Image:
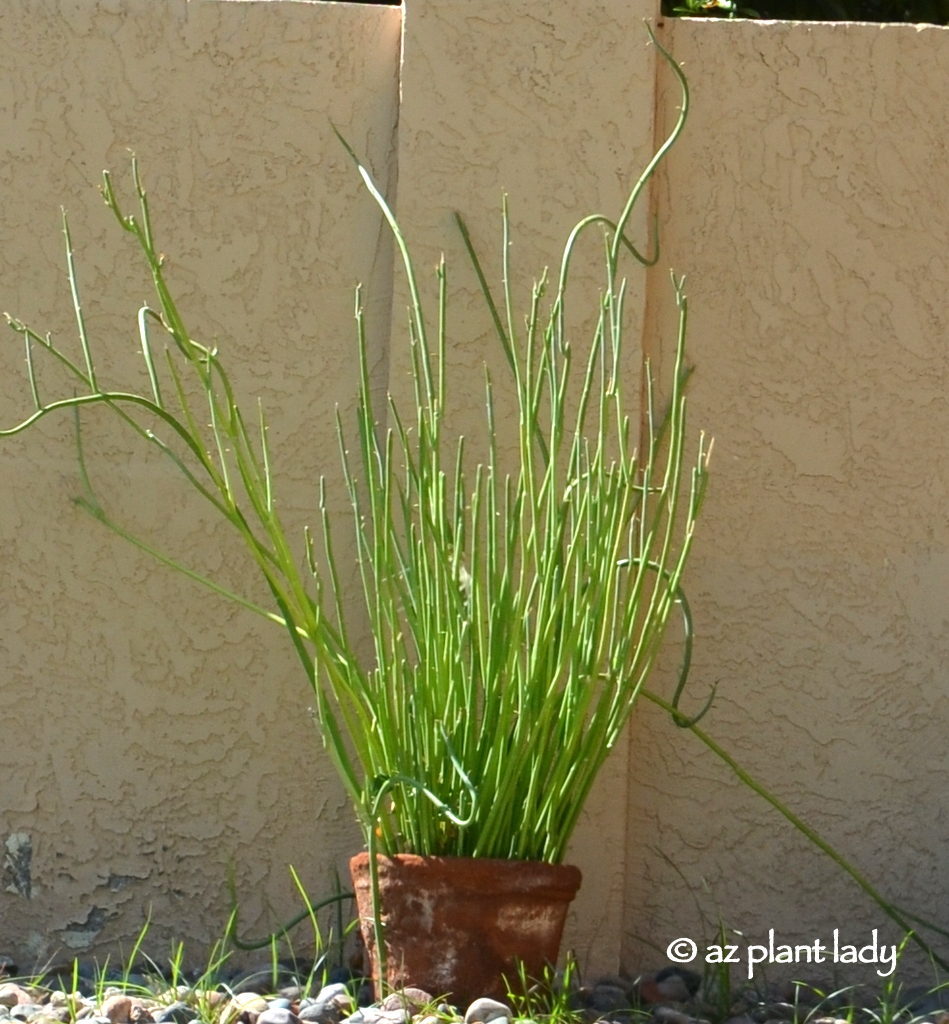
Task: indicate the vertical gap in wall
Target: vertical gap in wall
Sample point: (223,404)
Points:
(659,325)
(385,245)
(403,12)
(651,349)
(392,198)
(657,276)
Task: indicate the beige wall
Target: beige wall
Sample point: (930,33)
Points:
(807,203)
(554,107)
(152,733)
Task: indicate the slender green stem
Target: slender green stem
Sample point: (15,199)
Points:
(900,917)
(515,610)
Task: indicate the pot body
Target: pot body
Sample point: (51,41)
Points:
(456,925)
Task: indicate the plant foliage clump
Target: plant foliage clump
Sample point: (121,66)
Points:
(515,614)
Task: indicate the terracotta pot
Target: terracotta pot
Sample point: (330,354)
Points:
(457,924)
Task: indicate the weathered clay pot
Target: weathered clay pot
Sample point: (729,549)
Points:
(455,925)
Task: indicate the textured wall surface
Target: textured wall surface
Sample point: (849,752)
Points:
(807,204)
(554,106)
(152,733)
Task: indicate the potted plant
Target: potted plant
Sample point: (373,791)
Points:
(515,612)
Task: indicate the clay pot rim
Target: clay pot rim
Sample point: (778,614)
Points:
(479,874)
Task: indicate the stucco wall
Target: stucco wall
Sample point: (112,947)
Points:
(807,204)
(553,106)
(151,734)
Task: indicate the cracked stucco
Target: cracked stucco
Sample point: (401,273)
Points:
(16,864)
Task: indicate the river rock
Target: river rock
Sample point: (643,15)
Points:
(328,992)
(177,1013)
(606,998)
(278,1015)
(117,1008)
(330,1005)
(374,1015)
(243,1002)
(23,1011)
(411,999)
(320,1013)
(669,985)
(13,995)
(207,997)
(670,1015)
(484,1010)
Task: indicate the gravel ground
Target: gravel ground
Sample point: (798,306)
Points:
(670,995)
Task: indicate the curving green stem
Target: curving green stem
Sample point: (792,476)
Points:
(900,917)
